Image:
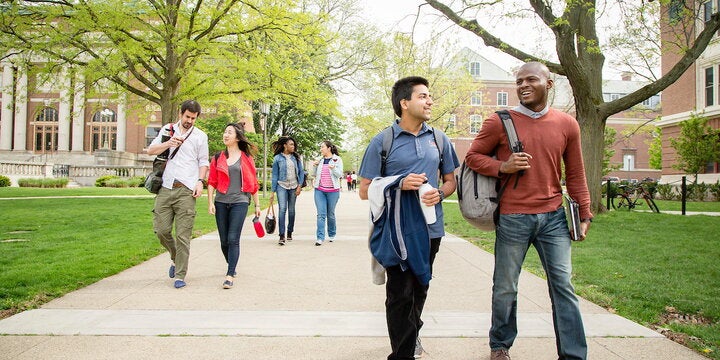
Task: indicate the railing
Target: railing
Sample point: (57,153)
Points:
(82,174)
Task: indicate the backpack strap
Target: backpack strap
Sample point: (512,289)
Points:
(513,142)
(439,142)
(507,121)
(388,137)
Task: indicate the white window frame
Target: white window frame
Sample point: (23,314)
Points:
(475,123)
(475,68)
(502,98)
(452,122)
(476,98)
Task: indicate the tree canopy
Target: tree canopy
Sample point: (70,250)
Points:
(581,55)
(697,145)
(220,51)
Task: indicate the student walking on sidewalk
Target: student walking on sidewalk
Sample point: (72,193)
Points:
(183,181)
(287,177)
(414,155)
(531,211)
(233,175)
(328,171)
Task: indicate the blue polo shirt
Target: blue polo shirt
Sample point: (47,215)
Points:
(412,154)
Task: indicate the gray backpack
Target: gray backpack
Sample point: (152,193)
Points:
(479,195)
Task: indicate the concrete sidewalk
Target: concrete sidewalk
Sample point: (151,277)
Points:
(302,301)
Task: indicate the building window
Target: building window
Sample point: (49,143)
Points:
(476,98)
(646,102)
(502,98)
(628,162)
(707,10)
(709,86)
(475,68)
(46,130)
(475,123)
(675,11)
(614,97)
(104,130)
(151,132)
(452,121)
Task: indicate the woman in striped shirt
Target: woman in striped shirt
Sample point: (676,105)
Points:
(328,172)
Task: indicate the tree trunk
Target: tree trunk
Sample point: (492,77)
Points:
(593,148)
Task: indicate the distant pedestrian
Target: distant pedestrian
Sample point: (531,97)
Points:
(233,175)
(287,177)
(353,176)
(348,178)
(328,170)
(183,181)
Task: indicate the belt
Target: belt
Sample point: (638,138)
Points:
(177,184)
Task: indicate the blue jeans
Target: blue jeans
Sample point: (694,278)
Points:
(549,234)
(286,204)
(230,219)
(325,204)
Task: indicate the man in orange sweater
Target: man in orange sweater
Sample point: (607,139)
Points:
(531,210)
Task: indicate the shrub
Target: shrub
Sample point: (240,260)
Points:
(697,192)
(4,181)
(101,181)
(715,190)
(667,192)
(43,183)
(137,181)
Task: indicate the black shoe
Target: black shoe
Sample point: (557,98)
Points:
(289,236)
(282,240)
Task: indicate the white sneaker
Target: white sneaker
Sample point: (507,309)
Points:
(332,238)
(318,242)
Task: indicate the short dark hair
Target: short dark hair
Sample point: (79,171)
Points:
(190,105)
(403,89)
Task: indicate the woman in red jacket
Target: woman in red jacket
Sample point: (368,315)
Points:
(233,175)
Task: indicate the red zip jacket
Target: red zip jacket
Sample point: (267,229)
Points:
(219,177)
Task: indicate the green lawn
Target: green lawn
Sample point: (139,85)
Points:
(53,246)
(644,266)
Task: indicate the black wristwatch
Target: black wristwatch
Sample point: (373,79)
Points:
(442,195)
(203,182)
(586,220)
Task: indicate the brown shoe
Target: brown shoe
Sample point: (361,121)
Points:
(289,236)
(499,354)
(282,240)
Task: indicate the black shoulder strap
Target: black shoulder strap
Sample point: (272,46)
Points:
(509,125)
(513,142)
(388,137)
(439,142)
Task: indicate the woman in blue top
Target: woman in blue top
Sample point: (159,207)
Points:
(328,172)
(287,177)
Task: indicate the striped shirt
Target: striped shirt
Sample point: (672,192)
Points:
(326,183)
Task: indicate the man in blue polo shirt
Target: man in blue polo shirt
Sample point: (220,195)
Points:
(413,154)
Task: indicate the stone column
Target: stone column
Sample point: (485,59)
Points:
(78,115)
(121,124)
(64,111)
(21,101)
(6,114)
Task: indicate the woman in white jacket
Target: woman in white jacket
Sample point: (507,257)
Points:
(328,172)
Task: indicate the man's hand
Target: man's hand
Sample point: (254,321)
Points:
(198,189)
(413,181)
(516,162)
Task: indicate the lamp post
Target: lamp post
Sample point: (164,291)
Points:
(264,111)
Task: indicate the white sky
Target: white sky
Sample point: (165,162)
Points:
(400,15)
